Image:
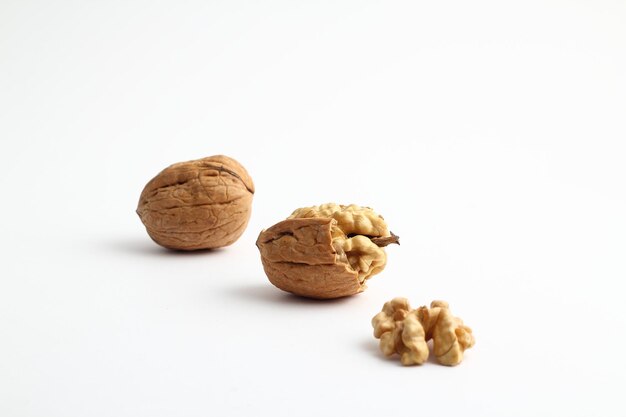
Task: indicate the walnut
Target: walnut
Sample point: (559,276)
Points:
(406,332)
(201,204)
(327,251)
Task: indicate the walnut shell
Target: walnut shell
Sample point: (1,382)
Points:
(327,251)
(200,204)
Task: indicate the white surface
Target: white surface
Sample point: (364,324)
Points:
(490,136)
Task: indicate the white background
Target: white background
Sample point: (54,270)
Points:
(491,136)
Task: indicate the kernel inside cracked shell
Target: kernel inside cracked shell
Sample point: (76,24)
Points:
(352,235)
(326,251)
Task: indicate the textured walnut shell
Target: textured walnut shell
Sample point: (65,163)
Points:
(306,265)
(201,204)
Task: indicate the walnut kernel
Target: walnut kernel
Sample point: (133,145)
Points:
(406,332)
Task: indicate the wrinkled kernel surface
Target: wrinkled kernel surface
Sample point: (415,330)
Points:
(406,332)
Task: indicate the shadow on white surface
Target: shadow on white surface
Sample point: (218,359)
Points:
(145,247)
(370,346)
(268,294)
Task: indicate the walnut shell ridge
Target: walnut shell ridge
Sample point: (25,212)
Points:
(200,204)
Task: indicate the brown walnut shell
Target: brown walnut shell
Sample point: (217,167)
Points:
(200,204)
(325,252)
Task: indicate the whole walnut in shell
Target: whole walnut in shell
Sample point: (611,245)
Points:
(327,251)
(200,204)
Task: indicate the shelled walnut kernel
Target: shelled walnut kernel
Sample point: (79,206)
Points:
(406,332)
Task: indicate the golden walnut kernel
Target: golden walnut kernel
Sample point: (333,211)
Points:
(406,332)
(327,251)
(201,204)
